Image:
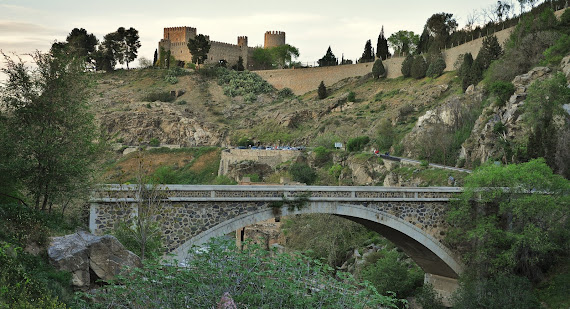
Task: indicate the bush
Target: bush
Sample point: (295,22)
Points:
(322,155)
(236,83)
(428,298)
(436,67)
(407,66)
(502,90)
(419,67)
(554,54)
(357,144)
(279,281)
(245,142)
(285,93)
(162,96)
(302,173)
(378,69)
(154,142)
(351,96)
(322,91)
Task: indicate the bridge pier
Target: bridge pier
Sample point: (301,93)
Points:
(444,286)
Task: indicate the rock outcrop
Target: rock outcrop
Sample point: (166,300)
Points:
(90,258)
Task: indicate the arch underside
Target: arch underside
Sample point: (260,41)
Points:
(424,249)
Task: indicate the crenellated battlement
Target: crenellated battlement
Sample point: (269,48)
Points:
(274,38)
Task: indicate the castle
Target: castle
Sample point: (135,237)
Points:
(176,39)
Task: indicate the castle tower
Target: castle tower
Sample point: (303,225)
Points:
(242,41)
(274,38)
(179,34)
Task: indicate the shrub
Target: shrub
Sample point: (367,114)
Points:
(285,93)
(302,173)
(171,79)
(428,298)
(554,54)
(436,67)
(502,90)
(351,96)
(245,142)
(162,96)
(322,91)
(322,155)
(407,66)
(378,69)
(154,142)
(419,67)
(357,143)
(236,83)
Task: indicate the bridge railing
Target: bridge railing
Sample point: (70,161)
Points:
(210,193)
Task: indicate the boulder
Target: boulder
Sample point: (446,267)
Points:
(565,66)
(89,257)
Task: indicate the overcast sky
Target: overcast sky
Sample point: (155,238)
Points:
(311,26)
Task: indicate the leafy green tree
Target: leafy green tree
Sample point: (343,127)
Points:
(283,54)
(465,70)
(131,44)
(357,143)
(382,51)
(109,52)
(419,67)
(378,69)
(385,135)
(439,26)
(407,66)
(50,128)
(490,50)
(328,59)
(302,173)
(79,43)
(404,42)
(199,48)
(424,42)
(511,220)
(367,55)
(262,57)
(322,91)
(391,273)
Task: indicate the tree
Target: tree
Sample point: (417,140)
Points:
(262,57)
(282,54)
(511,220)
(51,130)
(436,66)
(382,51)
(328,59)
(239,65)
(80,43)
(465,69)
(155,59)
(367,55)
(419,67)
(109,52)
(131,44)
(404,42)
(407,66)
(302,173)
(322,90)
(199,48)
(490,50)
(378,69)
(439,26)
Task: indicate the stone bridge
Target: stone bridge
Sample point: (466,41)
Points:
(412,218)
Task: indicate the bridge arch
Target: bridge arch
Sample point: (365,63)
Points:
(429,253)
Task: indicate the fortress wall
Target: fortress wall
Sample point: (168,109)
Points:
(229,52)
(308,79)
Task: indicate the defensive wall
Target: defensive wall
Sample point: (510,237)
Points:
(412,218)
(269,157)
(304,80)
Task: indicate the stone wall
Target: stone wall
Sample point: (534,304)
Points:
(269,157)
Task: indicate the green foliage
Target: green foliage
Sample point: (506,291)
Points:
(244,83)
(274,57)
(129,234)
(253,177)
(503,291)
(429,298)
(490,51)
(199,47)
(245,142)
(367,54)
(502,90)
(326,140)
(407,66)
(154,142)
(252,277)
(543,104)
(385,135)
(357,143)
(554,54)
(514,226)
(173,73)
(204,173)
(335,170)
(162,96)
(404,42)
(378,69)
(285,93)
(554,292)
(48,141)
(391,274)
(351,96)
(224,180)
(385,95)
(323,155)
(436,67)
(419,67)
(322,91)
(328,59)
(302,173)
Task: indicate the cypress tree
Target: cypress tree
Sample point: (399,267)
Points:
(367,55)
(407,66)
(382,46)
(322,91)
(155,60)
